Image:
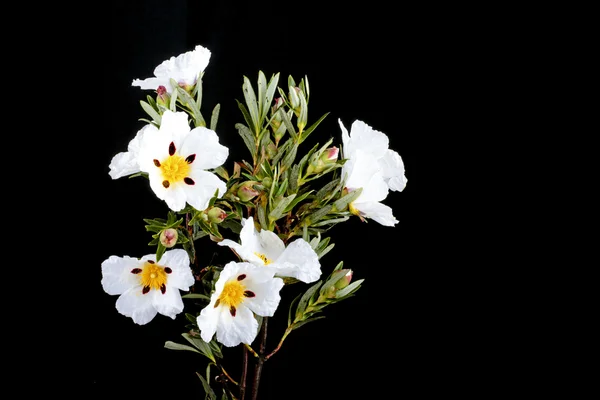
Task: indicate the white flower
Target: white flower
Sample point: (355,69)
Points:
(372,166)
(176,157)
(184,69)
(364,138)
(126,163)
(147,287)
(242,289)
(297,260)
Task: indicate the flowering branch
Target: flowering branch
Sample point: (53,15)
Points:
(272,213)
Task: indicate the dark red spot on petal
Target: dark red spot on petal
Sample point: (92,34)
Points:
(156,162)
(150,262)
(189,181)
(172,149)
(166,184)
(146,289)
(136,270)
(163,288)
(249,293)
(190,159)
(168,270)
(232,310)
(241,277)
(217,303)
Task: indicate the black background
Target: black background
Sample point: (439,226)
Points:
(370,63)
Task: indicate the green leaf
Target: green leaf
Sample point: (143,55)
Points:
(302,323)
(309,130)
(222,172)
(176,346)
(173,101)
(201,345)
(339,266)
(327,189)
(294,178)
(262,96)
(195,296)
(335,276)
(351,288)
(248,138)
(303,117)
(160,250)
(215,117)
(207,388)
(286,117)
(262,217)
(297,200)
(291,308)
(250,97)
(320,213)
(325,251)
(331,221)
(245,113)
(270,92)
(278,211)
(282,188)
(198,90)
(281,151)
(216,349)
(305,299)
(151,112)
(343,202)
(187,100)
(289,157)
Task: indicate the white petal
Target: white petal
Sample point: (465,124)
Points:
(116,274)
(392,170)
(123,164)
(345,140)
(207,321)
(272,245)
(242,328)
(175,195)
(266,298)
(367,139)
(136,305)
(181,276)
(377,211)
(152,83)
(175,124)
(154,146)
(249,235)
(169,304)
(374,190)
(205,185)
(204,143)
(360,168)
(299,261)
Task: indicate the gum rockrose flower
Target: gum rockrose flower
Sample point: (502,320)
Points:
(372,166)
(265,249)
(126,162)
(242,290)
(176,158)
(184,69)
(147,287)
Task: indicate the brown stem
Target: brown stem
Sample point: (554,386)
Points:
(261,358)
(244,371)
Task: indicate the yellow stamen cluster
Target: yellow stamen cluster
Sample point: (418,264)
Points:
(264,258)
(174,168)
(232,294)
(153,276)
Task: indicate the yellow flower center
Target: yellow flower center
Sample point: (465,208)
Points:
(174,168)
(232,294)
(263,258)
(153,276)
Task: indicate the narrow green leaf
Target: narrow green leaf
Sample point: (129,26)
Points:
(339,266)
(305,299)
(302,323)
(335,276)
(325,250)
(278,211)
(303,117)
(291,81)
(216,348)
(160,250)
(195,296)
(215,117)
(222,172)
(287,120)
(151,112)
(176,346)
(293,185)
(198,90)
(310,129)
(209,392)
(297,200)
(262,217)
(245,113)
(271,92)
(262,96)
(173,101)
(327,189)
(248,138)
(250,97)
(188,101)
(349,289)
(343,202)
(281,151)
(331,221)
(282,188)
(201,345)
(289,157)
(320,213)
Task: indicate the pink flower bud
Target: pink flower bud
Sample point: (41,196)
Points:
(168,237)
(345,280)
(216,215)
(246,192)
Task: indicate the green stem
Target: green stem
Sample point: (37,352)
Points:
(286,333)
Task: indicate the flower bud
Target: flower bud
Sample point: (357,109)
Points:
(294,99)
(162,97)
(345,280)
(168,237)
(246,192)
(320,162)
(216,215)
